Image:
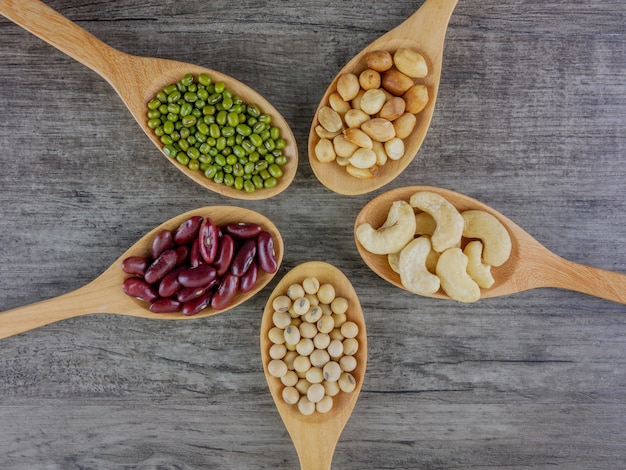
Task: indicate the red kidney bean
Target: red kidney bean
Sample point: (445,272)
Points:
(243,230)
(198,276)
(200,264)
(243,258)
(161,266)
(196,305)
(169,285)
(195,259)
(140,289)
(225,252)
(186,294)
(135,265)
(225,292)
(165,305)
(182,252)
(248,280)
(162,241)
(208,236)
(188,230)
(266,255)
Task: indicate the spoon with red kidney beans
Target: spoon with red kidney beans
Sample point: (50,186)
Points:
(174,272)
(228,262)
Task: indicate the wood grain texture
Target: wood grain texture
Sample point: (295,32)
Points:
(530,119)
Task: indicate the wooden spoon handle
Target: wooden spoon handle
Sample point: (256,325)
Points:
(49,25)
(601,283)
(421,22)
(102,295)
(315,451)
(42,313)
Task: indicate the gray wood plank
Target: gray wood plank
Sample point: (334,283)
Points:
(530,119)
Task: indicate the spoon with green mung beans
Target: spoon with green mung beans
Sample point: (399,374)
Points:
(138,80)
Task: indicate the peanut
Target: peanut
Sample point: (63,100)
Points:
(325,151)
(379,61)
(393,109)
(338,104)
(410,63)
(329,119)
(372,101)
(404,125)
(343,146)
(348,86)
(396,82)
(363,158)
(374,109)
(416,98)
(394,148)
(369,79)
(363,173)
(358,137)
(355,117)
(379,129)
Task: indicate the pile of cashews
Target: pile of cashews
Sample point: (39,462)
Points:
(439,247)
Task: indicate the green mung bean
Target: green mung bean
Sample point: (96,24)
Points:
(203,126)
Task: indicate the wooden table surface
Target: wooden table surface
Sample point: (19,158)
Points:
(530,118)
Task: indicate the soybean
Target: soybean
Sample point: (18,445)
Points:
(317,345)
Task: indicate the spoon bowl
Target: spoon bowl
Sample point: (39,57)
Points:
(105,295)
(137,80)
(424,32)
(530,265)
(315,436)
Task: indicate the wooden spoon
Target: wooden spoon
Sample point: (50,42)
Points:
(105,295)
(530,265)
(315,436)
(138,79)
(424,32)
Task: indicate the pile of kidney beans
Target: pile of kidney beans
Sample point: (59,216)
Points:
(199,265)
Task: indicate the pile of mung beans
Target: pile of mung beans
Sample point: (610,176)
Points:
(313,345)
(204,127)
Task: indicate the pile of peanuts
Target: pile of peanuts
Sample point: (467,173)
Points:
(368,117)
(313,346)
(199,265)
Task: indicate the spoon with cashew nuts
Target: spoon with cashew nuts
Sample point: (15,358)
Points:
(105,294)
(423,32)
(138,79)
(529,266)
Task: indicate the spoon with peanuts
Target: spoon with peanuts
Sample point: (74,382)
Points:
(529,266)
(315,435)
(137,80)
(105,293)
(423,33)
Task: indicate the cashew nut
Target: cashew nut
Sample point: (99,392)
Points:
(431,261)
(394,261)
(449,229)
(414,275)
(398,230)
(451,269)
(495,238)
(479,272)
(424,224)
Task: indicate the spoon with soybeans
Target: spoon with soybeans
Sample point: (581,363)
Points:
(138,80)
(105,294)
(315,431)
(407,113)
(529,266)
